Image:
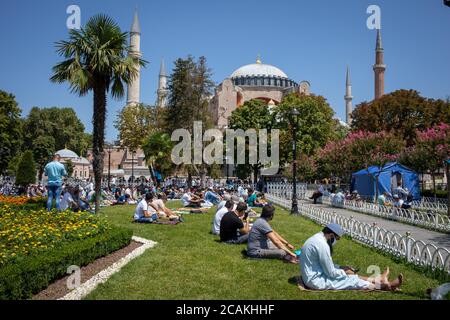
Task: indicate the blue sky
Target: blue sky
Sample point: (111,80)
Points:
(308,40)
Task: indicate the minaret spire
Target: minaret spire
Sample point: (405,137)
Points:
(133,96)
(162,87)
(348,98)
(379,68)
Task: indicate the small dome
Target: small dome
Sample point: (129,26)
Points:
(66,153)
(258,69)
(84,161)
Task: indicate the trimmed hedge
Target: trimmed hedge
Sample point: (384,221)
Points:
(31,274)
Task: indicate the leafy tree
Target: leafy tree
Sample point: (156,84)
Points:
(359,150)
(157,149)
(403,112)
(14,165)
(43,148)
(62,124)
(98,59)
(306,169)
(431,150)
(253,114)
(47,130)
(69,167)
(134,122)
(26,170)
(190,87)
(316,125)
(10,130)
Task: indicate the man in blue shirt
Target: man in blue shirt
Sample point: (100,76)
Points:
(212,197)
(54,171)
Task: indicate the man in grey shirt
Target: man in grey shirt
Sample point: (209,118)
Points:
(265,243)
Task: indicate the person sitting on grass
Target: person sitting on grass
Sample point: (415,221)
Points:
(230,205)
(233,222)
(190,200)
(83,204)
(212,197)
(226,197)
(68,202)
(382,199)
(163,211)
(252,199)
(265,243)
(145,212)
(318,271)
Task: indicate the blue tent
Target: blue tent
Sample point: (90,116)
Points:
(364,181)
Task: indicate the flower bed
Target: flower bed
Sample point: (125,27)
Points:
(37,247)
(26,232)
(19,200)
(23,202)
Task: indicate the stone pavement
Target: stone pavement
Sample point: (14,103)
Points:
(425,235)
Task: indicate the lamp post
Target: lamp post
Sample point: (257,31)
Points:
(132,171)
(109,149)
(294,121)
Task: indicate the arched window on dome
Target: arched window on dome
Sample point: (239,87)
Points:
(255,81)
(249,81)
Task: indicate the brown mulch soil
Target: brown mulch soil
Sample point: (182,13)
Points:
(58,289)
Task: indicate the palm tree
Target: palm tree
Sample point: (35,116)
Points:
(97,60)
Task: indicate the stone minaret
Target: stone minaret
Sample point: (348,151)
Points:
(379,68)
(162,87)
(348,99)
(135,44)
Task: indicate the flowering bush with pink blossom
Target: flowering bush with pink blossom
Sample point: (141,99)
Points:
(358,150)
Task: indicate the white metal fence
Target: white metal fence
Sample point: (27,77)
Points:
(403,246)
(427,218)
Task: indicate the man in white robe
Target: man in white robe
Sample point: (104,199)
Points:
(318,271)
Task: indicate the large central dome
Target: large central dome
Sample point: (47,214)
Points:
(259,69)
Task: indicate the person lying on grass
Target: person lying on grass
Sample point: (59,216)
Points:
(145,211)
(318,271)
(235,226)
(266,243)
(163,211)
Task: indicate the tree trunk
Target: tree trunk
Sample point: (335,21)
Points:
(41,173)
(98,139)
(203,172)
(434,184)
(189,180)
(447,173)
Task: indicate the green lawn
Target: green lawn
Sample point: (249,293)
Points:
(189,263)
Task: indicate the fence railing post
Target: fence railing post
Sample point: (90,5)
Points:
(408,246)
(374,239)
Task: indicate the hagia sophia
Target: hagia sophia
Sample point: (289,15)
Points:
(257,80)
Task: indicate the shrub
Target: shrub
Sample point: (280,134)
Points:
(26,171)
(30,274)
(430,193)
